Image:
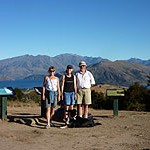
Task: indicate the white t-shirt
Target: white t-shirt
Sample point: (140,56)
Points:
(84,80)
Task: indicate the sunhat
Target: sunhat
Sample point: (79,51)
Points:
(82,63)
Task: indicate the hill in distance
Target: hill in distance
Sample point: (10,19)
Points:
(120,73)
(28,65)
(123,73)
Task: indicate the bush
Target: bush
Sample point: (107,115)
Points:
(137,98)
(97,100)
(18,95)
(29,96)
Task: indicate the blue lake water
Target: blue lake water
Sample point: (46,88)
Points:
(22,83)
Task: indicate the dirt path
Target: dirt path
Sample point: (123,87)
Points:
(24,130)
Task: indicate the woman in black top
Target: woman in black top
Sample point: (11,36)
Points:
(68,90)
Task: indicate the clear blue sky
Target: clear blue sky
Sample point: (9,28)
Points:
(112,29)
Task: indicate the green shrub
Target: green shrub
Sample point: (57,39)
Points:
(137,98)
(25,96)
(97,100)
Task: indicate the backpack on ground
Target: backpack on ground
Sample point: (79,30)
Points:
(76,121)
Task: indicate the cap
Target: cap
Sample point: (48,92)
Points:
(69,67)
(82,63)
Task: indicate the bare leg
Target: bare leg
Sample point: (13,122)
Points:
(66,111)
(51,114)
(85,111)
(79,110)
(48,115)
(71,107)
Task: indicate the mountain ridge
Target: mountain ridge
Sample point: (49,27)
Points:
(119,72)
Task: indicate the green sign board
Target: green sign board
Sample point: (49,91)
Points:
(115,92)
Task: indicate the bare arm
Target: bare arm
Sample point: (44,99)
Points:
(58,89)
(75,87)
(62,87)
(44,88)
(75,84)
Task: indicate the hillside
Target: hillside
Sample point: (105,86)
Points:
(139,61)
(28,65)
(120,73)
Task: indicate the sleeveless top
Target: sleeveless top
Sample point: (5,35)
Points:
(69,84)
(51,84)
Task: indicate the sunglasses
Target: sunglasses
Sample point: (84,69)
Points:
(82,66)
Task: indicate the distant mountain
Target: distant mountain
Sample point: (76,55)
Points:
(28,65)
(139,61)
(119,73)
(40,77)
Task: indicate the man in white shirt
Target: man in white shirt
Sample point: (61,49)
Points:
(85,80)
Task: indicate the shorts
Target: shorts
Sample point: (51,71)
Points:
(51,99)
(84,96)
(69,98)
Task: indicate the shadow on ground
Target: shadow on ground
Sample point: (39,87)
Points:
(31,120)
(37,121)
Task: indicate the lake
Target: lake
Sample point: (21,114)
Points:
(22,84)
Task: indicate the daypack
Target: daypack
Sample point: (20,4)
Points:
(81,122)
(76,121)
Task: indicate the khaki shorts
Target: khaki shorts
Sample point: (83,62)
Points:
(84,96)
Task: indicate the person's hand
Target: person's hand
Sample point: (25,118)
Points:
(58,98)
(76,96)
(43,97)
(62,97)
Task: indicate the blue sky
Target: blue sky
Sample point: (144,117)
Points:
(112,29)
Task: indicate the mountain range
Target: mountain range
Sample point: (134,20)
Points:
(119,72)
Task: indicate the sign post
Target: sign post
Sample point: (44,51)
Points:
(115,106)
(115,93)
(39,90)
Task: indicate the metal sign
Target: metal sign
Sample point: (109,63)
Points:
(115,92)
(5,91)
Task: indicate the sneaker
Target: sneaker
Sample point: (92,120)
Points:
(52,125)
(64,120)
(67,121)
(47,126)
(64,127)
